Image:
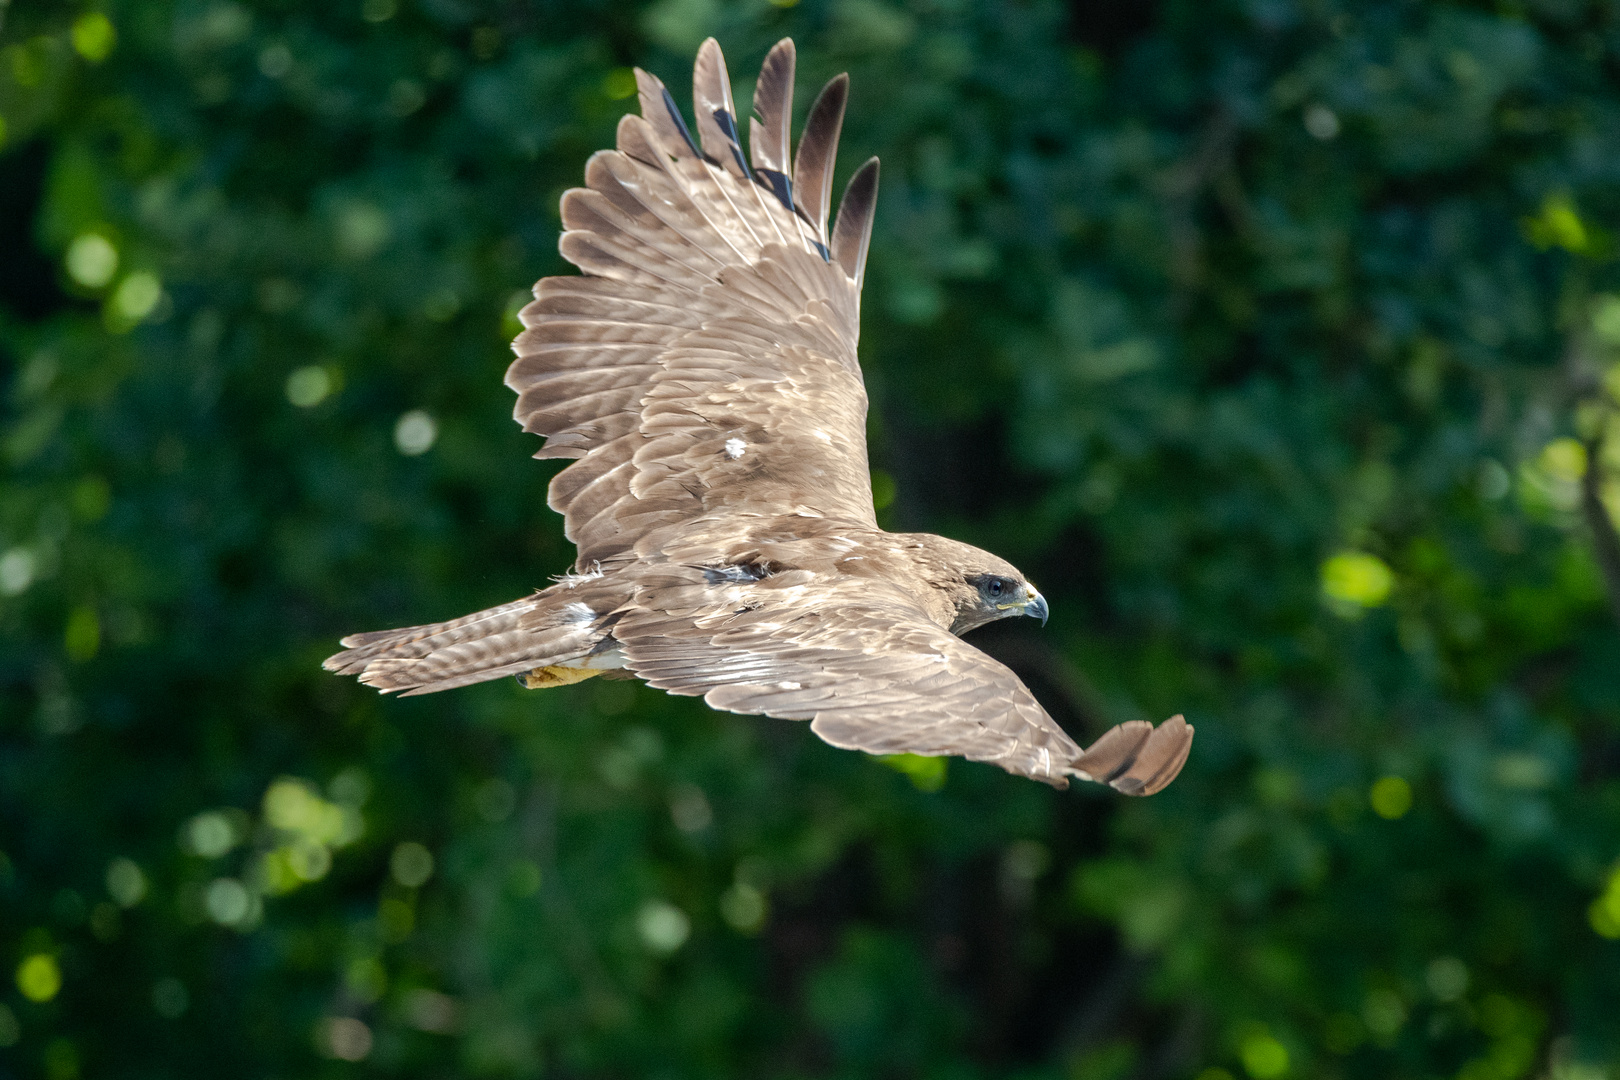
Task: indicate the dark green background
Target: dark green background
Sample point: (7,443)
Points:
(1191,309)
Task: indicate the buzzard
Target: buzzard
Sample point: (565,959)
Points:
(701,374)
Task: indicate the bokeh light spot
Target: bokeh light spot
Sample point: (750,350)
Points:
(275,61)
(619,83)
(415,433)
(91,260)
(17,569)
(344,1038)
(1321,122)
(663,927)
(689,808)
(292,806)
(38,977)
(210,835)
(126,883)
(361,231)
(884,490)
(1354,577)
(743,907)
(1391,797)
(1447,978)
(1606,319)
(1558,224)
(1384,1013)
(228,901)
(1264,1058)
(411,864)
(366,978)
(926,773)
(170,998)
(1563,459)
(82,636)
(309,386)
(309,860)
(1604,913)
(1494,480)
(429,1010)
(93,36)
(137,296)
(511,324)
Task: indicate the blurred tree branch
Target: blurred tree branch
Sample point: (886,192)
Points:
(1587,389)
(1605,540)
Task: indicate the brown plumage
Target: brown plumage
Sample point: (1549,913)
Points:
(702,376)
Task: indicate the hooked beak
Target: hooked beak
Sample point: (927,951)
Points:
(1035,607)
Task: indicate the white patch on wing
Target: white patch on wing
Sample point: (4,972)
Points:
(822,435)
(569,581)
(608,660)
(577,612)
(735,448)
(791,685)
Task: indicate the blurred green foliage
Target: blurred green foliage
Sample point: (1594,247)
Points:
(1277,341)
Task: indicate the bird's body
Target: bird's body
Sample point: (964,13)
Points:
(702,374)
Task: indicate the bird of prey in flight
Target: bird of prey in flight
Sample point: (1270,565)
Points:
(701,374)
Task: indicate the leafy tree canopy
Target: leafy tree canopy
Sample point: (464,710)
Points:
(1277,341)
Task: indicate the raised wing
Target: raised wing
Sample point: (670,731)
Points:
(705,362)
(871,673)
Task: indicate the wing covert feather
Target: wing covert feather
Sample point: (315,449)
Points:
(870,673)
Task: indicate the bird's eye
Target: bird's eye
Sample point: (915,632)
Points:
(996,586)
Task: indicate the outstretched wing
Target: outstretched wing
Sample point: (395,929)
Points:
(705,362)
(872,673)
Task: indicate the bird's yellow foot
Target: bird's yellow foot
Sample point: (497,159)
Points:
(543,678)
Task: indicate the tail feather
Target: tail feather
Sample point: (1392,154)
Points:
(548,628)
(418,641)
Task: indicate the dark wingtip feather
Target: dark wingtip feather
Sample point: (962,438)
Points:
(1167,749)
(716,115)
(659,110)
(773,104)
(852,235)
(818,150)
(1137,758)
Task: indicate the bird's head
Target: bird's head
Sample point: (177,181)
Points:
(980,587)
